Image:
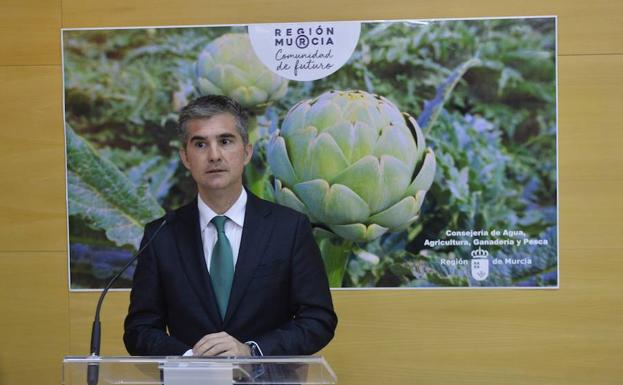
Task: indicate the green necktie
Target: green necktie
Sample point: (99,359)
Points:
(221,265)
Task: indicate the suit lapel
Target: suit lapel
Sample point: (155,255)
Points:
(255,234)
(190,247)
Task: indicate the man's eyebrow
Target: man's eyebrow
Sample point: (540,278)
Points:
(227,135)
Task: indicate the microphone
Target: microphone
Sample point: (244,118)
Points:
(96,330)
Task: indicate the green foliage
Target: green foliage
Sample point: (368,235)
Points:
(104,196)
(148,168)
(120,84)
(495,136)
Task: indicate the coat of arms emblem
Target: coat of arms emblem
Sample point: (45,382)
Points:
(480,264)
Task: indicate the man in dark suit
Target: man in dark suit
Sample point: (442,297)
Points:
(229,274)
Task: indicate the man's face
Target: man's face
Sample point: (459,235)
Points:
(215,155)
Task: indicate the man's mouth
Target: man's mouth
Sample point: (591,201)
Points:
(215,171)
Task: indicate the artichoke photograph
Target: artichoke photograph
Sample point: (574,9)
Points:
(228,66)
(433,147)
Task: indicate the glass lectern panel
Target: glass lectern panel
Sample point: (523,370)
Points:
(195,371)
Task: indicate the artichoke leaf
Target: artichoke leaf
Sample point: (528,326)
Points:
(101,194)
(426,175)
(297,146)
(376,114)
(207,87)
(420,141)
(247,95)
(321,234)
(394,180)
(295,119)
(397,214)
(362,177)
(419,200)
(326,159)
(361,110)
(313,193)
(261,80)
(406,225)
(279,160)
(86,202)
(323,114)
(285,196)
(391,114)
(359,232)
(343,205)
(228,77)
(356,140)
(397,141)
(344,136)
(279,89)
(204,62)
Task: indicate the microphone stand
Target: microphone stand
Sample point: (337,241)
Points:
(96,329)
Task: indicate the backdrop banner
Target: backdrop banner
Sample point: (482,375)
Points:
(424,152)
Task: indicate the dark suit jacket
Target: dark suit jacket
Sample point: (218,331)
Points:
(280,296)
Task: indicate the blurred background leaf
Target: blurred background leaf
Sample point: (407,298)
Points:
(104,197)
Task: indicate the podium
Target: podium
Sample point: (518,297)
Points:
(197,370)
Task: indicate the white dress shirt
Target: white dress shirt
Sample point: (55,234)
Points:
(233,230)
(233,227)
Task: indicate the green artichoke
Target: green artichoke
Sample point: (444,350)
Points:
(228,66)
(352,162)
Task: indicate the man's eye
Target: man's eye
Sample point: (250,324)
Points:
(199,144)
(226,141)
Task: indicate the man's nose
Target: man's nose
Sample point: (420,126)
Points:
(214,152)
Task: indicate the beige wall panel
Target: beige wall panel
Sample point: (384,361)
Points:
(32,164)
(585,27)
(590,167)
(590,117)
(29,32)
(34,326)
(568,336)
(82,309)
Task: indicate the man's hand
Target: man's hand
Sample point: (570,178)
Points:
(220,344)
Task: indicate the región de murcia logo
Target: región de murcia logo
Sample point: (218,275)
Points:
(304,51)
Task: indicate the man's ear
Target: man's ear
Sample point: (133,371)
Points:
(248,153)
(184,157)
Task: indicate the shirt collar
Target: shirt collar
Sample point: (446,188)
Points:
(235,212)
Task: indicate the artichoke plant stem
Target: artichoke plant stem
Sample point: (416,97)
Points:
(433,108)
(335,252)
(252,129)
(255,171)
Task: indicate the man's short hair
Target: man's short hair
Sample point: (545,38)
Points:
(207,106)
